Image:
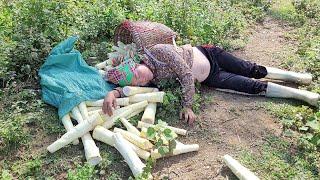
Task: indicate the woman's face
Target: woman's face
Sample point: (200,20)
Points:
(142,76)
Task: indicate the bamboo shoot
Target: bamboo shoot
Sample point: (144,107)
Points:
(134,139)
(135,113)
(128,154)
(150,97)
(149,114)
(176,130)
(78,131)
(240,171)
(130,127)
(99,103)
(132,90)
(67,123)
(91,150)
(180,149)
(104,135)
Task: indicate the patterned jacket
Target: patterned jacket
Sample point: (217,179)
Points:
(166,62)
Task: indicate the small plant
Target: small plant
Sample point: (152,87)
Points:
(81,173)
(163,138)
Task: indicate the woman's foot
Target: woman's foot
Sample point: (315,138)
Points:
(300,78)
(275,90)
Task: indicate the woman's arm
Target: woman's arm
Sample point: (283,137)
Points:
(175,61)
(109,102)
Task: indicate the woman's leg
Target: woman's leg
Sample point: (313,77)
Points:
(226,80)
(235,65)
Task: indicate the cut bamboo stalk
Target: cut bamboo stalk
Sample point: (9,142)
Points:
(240,171)
(143,132)
(132,90)
(130,127)
(150,97)
(119,101)
(67,123)
(149,114)
(104,135)
(78,131)
(122,112)
(135,113)
(129,155)
(134,139)
(91,150)
(83,110)
(176,130)
(95,111)
(180,149)
(94,108)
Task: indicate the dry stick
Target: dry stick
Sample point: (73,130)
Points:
(104,135)
(176,130)
(67,123)
(78,131)
(240,171)
(91,150)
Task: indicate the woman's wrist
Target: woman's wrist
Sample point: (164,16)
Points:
(116,93)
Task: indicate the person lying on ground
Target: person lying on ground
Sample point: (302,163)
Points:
(211,66)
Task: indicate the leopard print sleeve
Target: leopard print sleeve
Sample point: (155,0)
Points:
(166,53)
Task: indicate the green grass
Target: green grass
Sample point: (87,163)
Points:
(281,159)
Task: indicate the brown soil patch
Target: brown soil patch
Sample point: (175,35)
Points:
(232,122)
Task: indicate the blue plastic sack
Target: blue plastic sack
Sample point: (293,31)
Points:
(67,80)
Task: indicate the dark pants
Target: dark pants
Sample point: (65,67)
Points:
(230,72)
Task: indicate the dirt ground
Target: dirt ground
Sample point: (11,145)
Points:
(232,122)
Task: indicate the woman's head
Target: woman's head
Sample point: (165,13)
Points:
(129,73)
(142,75)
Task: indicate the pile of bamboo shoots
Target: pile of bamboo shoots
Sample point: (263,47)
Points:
(130,142)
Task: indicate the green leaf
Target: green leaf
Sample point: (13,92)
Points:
(151,133)
(315,125)
(163,150)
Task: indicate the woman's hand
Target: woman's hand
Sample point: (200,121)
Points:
(188,115)
(109,103)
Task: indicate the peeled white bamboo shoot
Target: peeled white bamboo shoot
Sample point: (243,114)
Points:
(122,112)
(67,123)
(94,108)
(176,130)
(128,154)
(180,149)
(78,131)
(119,101)
(91,150)
(134,139)
(135,113)
(240,171)
(130,127)
(149,114)
(150,97)
(104,135)
(132,90)
(143,132)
